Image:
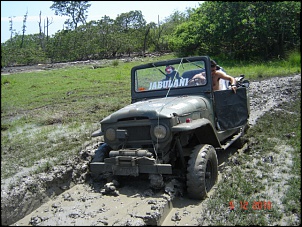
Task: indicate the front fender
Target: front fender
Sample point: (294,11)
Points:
(191,125)
(203,130)
(97,133)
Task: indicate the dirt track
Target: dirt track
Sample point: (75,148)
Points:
(66,196)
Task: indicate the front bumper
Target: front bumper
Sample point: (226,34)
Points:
(129,166)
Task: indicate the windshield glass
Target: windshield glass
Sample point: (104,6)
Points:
(172,76)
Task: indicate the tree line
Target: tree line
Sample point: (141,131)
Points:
(227,30)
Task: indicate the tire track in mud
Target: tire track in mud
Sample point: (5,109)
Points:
(81,206)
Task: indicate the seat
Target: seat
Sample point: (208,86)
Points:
(223,84)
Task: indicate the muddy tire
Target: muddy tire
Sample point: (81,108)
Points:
(101,153)
(202,171)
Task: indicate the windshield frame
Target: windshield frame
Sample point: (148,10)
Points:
(146,93)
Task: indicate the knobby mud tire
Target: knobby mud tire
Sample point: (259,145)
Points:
(100,154)
(202,171)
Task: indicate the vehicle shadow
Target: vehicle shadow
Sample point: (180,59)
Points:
(227,157)
(224,155)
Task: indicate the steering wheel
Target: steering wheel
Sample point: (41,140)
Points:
(196,82)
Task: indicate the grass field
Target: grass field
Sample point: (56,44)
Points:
(50,115)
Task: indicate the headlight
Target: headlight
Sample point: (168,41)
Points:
(160,131)
(110,134)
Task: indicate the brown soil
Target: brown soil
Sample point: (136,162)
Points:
(67,196)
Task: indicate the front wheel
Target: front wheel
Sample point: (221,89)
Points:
(202,171)
(100,154)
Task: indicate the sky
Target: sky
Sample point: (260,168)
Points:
(151,10)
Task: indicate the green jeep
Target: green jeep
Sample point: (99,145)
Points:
(173,126)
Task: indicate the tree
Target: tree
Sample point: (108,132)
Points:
(12,31)
(240,30)
(47,26)
(225,30)
(23,29)
(76,10)
(131,29)
(164,29)
(41,35)
(131,20)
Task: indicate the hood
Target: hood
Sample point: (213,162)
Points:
(162,107)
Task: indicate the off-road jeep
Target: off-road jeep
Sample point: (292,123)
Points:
(173,126)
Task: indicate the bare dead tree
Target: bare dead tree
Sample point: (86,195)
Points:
(12,31)
(39,22)
(41,35)
(47,26)
(23,29)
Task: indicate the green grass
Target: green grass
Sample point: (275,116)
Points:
(262,70)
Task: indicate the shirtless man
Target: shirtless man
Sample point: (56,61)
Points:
(216,75)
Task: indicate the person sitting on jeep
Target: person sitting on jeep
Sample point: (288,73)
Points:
(217,74)
(171,73)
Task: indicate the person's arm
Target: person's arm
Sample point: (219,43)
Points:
(231,79)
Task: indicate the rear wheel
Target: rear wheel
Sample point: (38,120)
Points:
(202,171)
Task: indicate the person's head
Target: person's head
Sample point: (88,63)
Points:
(169,69)
(213,66)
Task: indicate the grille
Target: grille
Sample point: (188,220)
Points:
(138,133)
(133,118)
